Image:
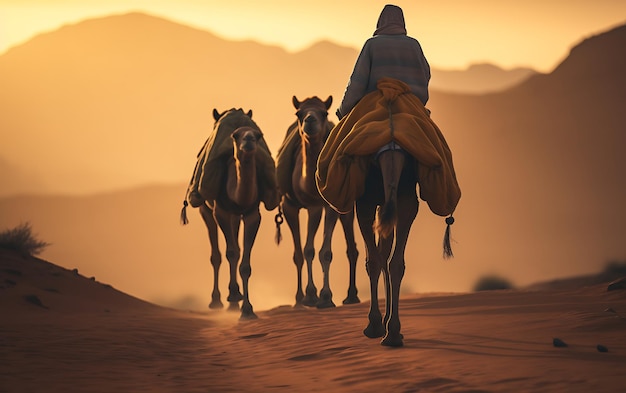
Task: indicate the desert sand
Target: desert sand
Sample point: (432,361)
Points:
(63,332)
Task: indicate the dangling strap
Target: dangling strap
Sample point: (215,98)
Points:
(183,213)
(447,248)
(278,219)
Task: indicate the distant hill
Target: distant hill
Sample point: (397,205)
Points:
(560,134)
(16,181)
(541,165)
(118,88)
(36,284)
(478,79)
(127,99)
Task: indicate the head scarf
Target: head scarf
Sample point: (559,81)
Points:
(390,21)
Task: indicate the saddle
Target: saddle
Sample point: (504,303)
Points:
(391,113)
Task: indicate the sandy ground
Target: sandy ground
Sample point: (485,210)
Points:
(62,332)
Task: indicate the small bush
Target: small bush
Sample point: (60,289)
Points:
(615,268)
(21,239)
(490,283)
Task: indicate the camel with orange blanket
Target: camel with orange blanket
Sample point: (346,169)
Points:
(382,185)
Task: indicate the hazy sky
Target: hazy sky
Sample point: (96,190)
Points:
(454,33)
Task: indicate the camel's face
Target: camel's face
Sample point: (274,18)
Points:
(312,116)
(246,138)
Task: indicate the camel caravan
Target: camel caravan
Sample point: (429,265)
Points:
(369,165)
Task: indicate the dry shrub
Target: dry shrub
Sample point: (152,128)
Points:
(491,283)
(22,239)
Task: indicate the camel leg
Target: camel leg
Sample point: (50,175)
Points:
(326,257)
(229,223)
(366,212)
(251,221)
(216,256)
(385,246)
(234,294)
(293,220)
(313,223)
(408,205)
(347,222)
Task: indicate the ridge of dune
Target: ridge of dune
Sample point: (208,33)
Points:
(46,286)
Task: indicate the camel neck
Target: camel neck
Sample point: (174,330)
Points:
(311,151)
(243,186)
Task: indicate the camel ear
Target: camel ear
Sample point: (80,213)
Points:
(328,102)
(216,114)
(235,134)
(296,103)
(249,113)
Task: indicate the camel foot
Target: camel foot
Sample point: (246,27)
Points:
(216,304)
(299,298)
(326,299)
(310,300)
(233,306)
(235,297)
(352,300)
(325,303)
(248,317)
(247,313)
(374,330)
(393,340)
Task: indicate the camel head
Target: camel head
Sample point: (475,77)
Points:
(245,139)
(312,116)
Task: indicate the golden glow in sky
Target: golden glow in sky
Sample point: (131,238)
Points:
(453,33)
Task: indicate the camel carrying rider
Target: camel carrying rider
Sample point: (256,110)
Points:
(383,108)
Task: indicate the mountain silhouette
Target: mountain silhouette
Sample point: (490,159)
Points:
(478,79)
(130,97)
(540,164)
(561,130)
(127,99)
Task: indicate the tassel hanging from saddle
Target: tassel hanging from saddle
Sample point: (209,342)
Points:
(447,248)
(183,213)
(278,219)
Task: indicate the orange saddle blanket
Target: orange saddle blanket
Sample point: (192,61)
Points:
(344,160)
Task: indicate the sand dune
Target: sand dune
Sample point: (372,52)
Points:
(64,332)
